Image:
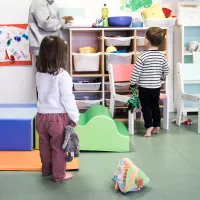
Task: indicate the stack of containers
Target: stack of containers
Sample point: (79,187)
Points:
(87,89)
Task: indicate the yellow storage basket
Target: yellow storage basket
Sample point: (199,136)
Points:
(87,50)
(154,11)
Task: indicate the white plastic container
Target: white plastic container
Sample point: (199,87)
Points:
(86,62)
(87,103)
(87,86)
(118,86)
(154,22)
(117,103)
(140,41)
(118,58)
(118,41)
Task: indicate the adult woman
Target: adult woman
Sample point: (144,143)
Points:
(43,21)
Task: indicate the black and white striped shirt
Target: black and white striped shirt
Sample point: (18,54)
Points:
(150,69)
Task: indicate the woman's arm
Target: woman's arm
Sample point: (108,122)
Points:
(45,21)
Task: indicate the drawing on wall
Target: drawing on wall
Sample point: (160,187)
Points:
(135,5)
(14,45)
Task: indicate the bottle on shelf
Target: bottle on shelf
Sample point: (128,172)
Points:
(104,14)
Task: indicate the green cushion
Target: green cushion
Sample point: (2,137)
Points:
(98,131)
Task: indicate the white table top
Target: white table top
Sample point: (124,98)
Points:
(17,113)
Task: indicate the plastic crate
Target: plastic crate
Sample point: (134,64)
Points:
(152,22)
(118,58)
(118,86)
(87,103)
(118,41)
(87,86)
(117,103)
(86,62)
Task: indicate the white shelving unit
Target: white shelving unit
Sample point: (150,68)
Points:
(184,35)
(96,37)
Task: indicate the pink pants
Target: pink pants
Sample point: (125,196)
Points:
(50,128)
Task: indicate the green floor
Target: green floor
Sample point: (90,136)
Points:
(171,160)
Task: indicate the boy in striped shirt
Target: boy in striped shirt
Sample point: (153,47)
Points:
(150,70)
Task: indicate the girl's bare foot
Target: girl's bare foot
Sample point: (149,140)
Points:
(148,132)
(67,177)
(156,130)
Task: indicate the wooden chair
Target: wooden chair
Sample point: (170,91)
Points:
(190,74)
(122,73)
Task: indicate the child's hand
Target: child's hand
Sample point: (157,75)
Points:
(76,123)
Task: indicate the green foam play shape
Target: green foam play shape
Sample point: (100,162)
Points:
(98,131)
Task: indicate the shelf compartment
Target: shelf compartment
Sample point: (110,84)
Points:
(87,86)
(118,41)
(118,86)
(87,103)
(118,58)
(86,62)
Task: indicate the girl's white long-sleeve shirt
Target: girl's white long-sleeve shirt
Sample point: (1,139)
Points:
(55,94)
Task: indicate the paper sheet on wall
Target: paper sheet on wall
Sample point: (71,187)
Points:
(2,52)
(16,42)
(135,5)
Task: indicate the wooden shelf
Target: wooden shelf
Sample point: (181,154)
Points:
(121,119)
(96,37)
(87,91)
(87,75)
(187,53)
(119,91)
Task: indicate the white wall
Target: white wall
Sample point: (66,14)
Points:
(17,84)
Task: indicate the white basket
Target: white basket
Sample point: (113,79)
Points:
(120,41)
(118,86)
(86,62)
(87,103)
(140,41)
(153,22)
(118,58)
(117,103)
(87,86)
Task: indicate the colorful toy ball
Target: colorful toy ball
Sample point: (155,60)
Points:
(129,178)
(111,49)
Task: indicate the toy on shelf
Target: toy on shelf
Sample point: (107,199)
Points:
(137,23)
(110,49)
(167,12)
(193,46)
(87,50)
(129,178)
(98,24)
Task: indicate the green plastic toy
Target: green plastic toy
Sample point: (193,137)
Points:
(134,102)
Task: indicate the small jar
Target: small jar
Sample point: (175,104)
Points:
(137,23)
